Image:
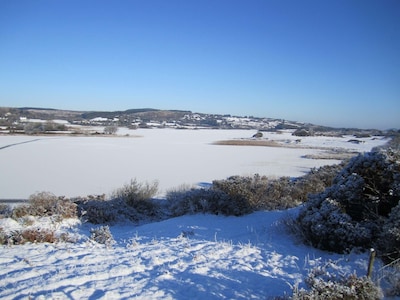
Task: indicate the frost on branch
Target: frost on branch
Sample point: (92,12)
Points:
(360,209)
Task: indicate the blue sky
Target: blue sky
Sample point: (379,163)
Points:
(333,62)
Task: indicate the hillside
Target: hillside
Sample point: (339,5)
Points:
(15,119)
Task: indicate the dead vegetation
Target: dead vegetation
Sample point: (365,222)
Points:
(249,142)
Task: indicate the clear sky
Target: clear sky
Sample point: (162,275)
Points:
(328,62)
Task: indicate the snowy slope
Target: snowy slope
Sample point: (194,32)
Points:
(196,257)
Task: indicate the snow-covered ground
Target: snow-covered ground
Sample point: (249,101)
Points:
(79,166)
(190,257)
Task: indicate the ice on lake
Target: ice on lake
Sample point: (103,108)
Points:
(80,166)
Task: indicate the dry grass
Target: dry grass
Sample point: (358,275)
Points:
(248,142)
(332,154)
(29,235)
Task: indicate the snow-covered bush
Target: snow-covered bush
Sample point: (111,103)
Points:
(260,192)
(20,211)
(46,204)
(316,181)
(138,195)
(389,237)
(5,211)
(102,235)
(239,195)
(3,236)
(102,211)
(324,282)
(32,235)
(244,192)
(131,202)
(351,287)
(257,192)
(352,212)
(42,235)
(192,201)
(303,132)
(97,211)
(389,278)
(186,201)
(111,129)
(369,186)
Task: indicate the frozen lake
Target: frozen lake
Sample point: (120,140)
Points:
(80,166)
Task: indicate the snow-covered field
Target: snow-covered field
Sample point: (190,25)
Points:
(190,257)
(79,166)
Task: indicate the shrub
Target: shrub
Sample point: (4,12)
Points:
(98,211)
(352,287)
(5,211)
(34,128)
(358,209)
(138,196)
(238,195)
(369,186)
(32,235)
(45,204)
(3,236)
(389,278)
(244,192)
(192,201)
(20,211)
(41,235)
(302,132)
(316,181)
(109,211)
(324,282)
(260,192)
(389,237)
(102,235)
(111,129)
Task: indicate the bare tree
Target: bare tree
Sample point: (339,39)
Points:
(111,129)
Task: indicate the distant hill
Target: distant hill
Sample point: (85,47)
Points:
(150,117)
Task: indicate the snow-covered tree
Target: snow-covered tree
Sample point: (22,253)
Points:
(112,129)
